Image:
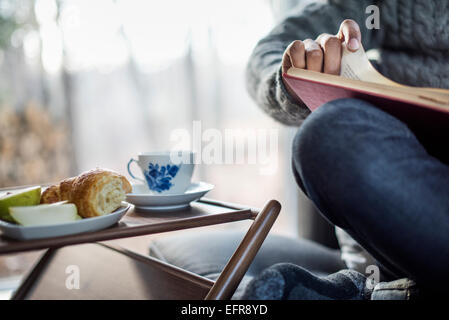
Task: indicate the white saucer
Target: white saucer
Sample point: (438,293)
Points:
(144,201)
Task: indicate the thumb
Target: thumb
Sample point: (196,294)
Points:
(350,33)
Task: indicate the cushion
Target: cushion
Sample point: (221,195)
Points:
(207,253)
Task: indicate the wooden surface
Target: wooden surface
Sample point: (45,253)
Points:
(110,273)
(135,223)
(238,264)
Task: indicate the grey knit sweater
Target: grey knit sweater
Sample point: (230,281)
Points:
(413,40)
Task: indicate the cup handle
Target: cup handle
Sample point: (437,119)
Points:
(129,170)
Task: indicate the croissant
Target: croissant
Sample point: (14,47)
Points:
(95,193)
(51,194)
(58,192)
(65,188)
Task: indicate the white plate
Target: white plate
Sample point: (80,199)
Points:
(144,201)
(55,230)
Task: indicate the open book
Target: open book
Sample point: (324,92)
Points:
(424,110)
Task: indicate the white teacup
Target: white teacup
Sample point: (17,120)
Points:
(165,172)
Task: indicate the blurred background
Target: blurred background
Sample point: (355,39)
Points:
(93,83)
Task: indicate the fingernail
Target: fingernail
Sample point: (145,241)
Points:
(354,44)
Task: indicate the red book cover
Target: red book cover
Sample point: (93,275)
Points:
(425,115)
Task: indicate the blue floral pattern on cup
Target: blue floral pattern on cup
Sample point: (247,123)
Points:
(159,177)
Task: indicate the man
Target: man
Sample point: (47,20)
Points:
(365,170)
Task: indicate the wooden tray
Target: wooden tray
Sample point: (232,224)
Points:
(201,213)
(40,284)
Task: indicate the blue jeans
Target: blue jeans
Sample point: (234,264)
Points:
(367,173)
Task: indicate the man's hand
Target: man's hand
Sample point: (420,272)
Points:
(323,54)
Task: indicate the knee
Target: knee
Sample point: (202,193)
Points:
(332,123)
(344,123)
(334,147)
(330,132)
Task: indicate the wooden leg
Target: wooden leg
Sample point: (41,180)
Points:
(240,261)
(33,274)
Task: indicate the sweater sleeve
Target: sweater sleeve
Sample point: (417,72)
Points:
(263,74)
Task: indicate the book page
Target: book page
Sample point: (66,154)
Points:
(356,66)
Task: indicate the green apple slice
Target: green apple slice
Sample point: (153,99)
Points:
(24,197)
(45,214)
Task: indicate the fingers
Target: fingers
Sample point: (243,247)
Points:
(294,56)
(350,33)
(314,55)
(325,53)
(305,54)
(332,49)
(322,55)
(286,62)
